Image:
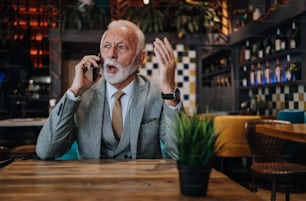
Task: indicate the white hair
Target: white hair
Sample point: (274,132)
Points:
(130,25)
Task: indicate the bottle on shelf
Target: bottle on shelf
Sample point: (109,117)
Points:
(283,42)
(247,51)
(267,73)
(252,75)
(278,70)
(245,76)
(247,16)
(269,46)
(227,80)
(261,50)
(256,14)
(277,41)
(288,69)
(254,50)
(216,81)
(259,73)
(250,12)
(292,38)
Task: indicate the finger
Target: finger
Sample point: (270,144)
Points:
(90,60)
(85,67)
(169,47)
(165,49)
(160,46)
(160,53)
(94,60)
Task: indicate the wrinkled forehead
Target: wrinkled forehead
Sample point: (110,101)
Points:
(120,34)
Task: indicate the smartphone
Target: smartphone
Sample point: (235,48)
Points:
(95,71)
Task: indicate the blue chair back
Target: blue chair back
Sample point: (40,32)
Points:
(294,116)
(71,154)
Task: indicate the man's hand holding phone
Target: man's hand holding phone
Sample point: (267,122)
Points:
(86,74)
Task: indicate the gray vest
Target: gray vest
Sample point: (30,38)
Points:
(110,147)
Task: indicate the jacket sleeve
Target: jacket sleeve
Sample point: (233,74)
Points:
(169,129)
(57,135)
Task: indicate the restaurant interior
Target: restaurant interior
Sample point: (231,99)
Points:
(239,63)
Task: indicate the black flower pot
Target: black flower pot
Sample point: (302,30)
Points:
(193,180)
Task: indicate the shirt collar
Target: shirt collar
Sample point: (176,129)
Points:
(128,90)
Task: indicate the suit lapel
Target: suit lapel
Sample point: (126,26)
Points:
(135,114)
(96,109)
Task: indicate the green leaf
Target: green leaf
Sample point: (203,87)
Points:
(196,140)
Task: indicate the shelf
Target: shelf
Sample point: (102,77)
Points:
(297,82)
(254,29)
(273,56)
(217,72)
(216,69)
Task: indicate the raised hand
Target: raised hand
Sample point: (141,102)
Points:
(167,63)
(83,80)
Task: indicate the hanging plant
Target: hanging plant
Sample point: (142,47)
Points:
(181,17)
(194,18)
(148,18)
(83,14)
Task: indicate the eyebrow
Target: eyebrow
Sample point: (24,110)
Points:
(126,44)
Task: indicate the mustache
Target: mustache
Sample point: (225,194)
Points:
(112,62)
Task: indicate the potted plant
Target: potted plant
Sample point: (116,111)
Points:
(196,151)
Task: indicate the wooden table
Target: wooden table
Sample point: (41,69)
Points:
(109,180)
(293,132)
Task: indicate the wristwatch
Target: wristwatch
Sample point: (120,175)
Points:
(174,95)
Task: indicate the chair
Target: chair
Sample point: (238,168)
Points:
(164,150)
(4,156)
(231,141)
(232,149)
(27,151)
(294,116)
(268,161)
(71,154)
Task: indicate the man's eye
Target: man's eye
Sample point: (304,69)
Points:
(122,47)
(106,46)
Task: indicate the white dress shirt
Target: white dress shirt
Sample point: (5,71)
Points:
(125,99)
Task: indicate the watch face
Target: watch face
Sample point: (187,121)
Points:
(177,94)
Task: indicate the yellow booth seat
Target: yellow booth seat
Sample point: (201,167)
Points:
(231,140)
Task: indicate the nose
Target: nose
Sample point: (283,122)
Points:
(112,53)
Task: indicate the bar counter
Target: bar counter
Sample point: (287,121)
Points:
(87,180)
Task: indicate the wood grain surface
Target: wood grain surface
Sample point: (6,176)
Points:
(109,180)
(293,132)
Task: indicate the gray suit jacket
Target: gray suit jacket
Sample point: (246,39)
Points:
(147,122)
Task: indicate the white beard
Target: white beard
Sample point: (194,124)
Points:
(122,74)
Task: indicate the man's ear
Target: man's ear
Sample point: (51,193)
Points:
(140,58)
